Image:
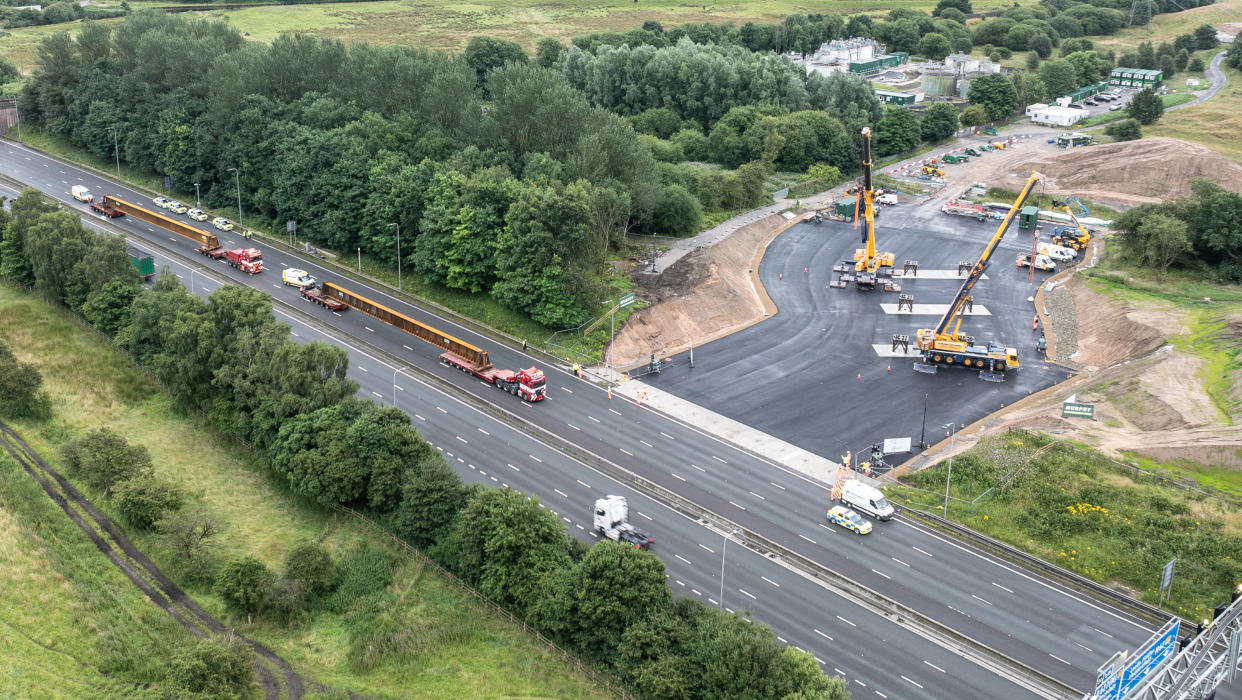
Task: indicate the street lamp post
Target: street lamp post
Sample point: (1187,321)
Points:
(612,336)
(724,550)
(395,372)
(198,199)
(923,434)
(237,180)
(398,253)
(952,441)
(192,271)
(115,148)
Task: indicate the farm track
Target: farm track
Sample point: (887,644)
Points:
(274,674)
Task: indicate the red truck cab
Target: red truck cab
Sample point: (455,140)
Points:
(248,260)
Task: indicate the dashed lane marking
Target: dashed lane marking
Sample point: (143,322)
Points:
(933,665)
(707,548)
(748,595)
(808,539)
(825,636)
(1007,590)
(842,619)
(683,559)
(913,683)
(774,583)
(677,476)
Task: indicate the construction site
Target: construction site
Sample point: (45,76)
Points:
(856,322)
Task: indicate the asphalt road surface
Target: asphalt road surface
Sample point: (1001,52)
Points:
(1017,613)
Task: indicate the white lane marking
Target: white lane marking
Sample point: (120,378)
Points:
(1061,660)
(781,639)
(680,582)
(646,443)
(560,492)
(512,467)
(774,583)
(933,665)
(860,683)
(593,418)
(670,437)
(899,561)
(420,417)
(773,483)
(568,389)
(580,481)
(883,574)
(707,548)
(399,387)
(881,694)
(825,637)
(923,552)
(683,559)
(462,439)
(1007,590)
(574,427)
(757,495)
(484,432)
(1089,651)
(562,517)
(441,410)
(626,451)
(616,412)
(743,592)
(677,476)
(972,595)
(719,459)
(916,685)
(535,458)
(808,539)
(364,369)
(1106,634)
(842,619)
(699,468)
(643,514)
(369,328)
(377,394)
(407,347)
(734,504)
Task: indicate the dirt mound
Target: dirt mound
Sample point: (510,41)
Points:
(705,295)
(1110,331)
(1128,173)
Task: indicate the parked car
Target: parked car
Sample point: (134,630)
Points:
(1114,108)
(177,207)
(197,214)
(161,202)
(222,223)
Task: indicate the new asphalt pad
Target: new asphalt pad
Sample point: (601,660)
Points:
(816,373)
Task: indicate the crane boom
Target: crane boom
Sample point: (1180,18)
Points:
(942,346)
(866,259)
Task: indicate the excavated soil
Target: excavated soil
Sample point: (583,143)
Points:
(1129,173)
(1110,332)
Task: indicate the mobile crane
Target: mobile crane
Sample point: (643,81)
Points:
(945,346)
(867,262)
(1065,235)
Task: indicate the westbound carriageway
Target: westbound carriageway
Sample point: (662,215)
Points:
(425,333)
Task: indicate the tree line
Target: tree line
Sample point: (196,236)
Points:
(228,359)
(1201,232)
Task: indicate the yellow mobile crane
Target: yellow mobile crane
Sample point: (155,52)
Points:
(944,346)
(867,262)
(1065,235)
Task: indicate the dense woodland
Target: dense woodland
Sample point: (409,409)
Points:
(229,359)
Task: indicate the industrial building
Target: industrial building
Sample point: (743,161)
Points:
(1055,115)
(894,97)
(1136,78)
(838,55)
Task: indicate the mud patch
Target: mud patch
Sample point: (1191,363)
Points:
(1142,408)
(1110,331)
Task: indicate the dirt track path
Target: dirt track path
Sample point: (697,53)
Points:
(111,540)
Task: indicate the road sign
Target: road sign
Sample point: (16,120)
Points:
(625,301)
(1166,578)
(1119,676)
(1077,410)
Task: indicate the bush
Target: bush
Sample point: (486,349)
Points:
(145,500)
(192,538)
(1195,65)
(21,394)
(364,570)
(104,458)
(243,583)
(311,567)
(1125,130)
(678,213)
(216,667)
(693,143)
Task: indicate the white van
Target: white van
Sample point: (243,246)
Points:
(1057,252)
(82,194)
(867,499)
(887,198)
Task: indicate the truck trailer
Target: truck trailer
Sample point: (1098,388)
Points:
(248,260)
(142,261)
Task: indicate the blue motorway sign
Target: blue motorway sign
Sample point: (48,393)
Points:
(1151,658)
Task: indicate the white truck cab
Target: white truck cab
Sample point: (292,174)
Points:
(612,521)
(866,499)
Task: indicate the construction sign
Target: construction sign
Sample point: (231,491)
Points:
(1069,409)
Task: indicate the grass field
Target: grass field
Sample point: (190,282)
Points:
(1165,27)
(1215,123)
(93,385)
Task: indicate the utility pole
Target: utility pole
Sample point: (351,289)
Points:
(398,253)
(952,441)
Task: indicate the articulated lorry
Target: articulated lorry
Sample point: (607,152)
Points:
(248,260)
(529,384)
(612,514)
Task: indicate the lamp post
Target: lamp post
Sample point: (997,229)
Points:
(952,441)
(612,336)
(398,253)
(395,372)
(198,199)
(237,180)
(724,550)
(923,434)
(115,148)
(192,271)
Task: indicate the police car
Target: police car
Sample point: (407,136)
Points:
(849,520)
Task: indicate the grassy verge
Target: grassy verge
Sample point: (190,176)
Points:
(73,626)
(1044,201)
(1175,99)
(1105,118)
(1215,123)
(92,385)
(1094,516)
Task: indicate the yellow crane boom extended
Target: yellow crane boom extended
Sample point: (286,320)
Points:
(944,346)
(866,259)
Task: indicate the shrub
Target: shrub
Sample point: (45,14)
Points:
(104,458)
(1125,130)
(145,500)
(243,583)
(311,567)
(21,394)
(217,667)
(364,570)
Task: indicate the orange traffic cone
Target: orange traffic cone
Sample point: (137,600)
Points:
(610,392)
(890,368)
(860,376)
(780,275)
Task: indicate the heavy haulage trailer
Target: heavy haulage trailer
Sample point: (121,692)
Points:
(528,384)
(248,260)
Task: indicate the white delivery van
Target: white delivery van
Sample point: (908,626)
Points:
(1059,253)
(887,198)
(867,499)
(82,194)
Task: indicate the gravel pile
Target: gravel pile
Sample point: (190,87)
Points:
(1064,318)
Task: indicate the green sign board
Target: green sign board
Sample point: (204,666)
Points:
(625,301)
(1078,410)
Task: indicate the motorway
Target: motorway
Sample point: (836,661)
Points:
(1055,631)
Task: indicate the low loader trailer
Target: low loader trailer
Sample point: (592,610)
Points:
(248,260)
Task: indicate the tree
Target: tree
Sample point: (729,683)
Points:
(1019,36)
(215,667)
(1066,27)
(974,115)
(1088,65)
(1060,77)
(996,94)
(1233,59)
(21,394)
(1195,65)
(108,309)
(310,566)
(1168,66)
(1040,45)
(145,500)
(8,71)
(485,54)
(549,52)
(1030,88)
(935,46)
(1146,107)
(1205,37)
(1125,130)
(1166,241)
(939,122)
(192,538)
(1032,61)
(1181,60)
(1146,56)
(431,497)
(243,583)
(104,458)
(678,213)
(1214,215)
(962,6)
(897,132)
